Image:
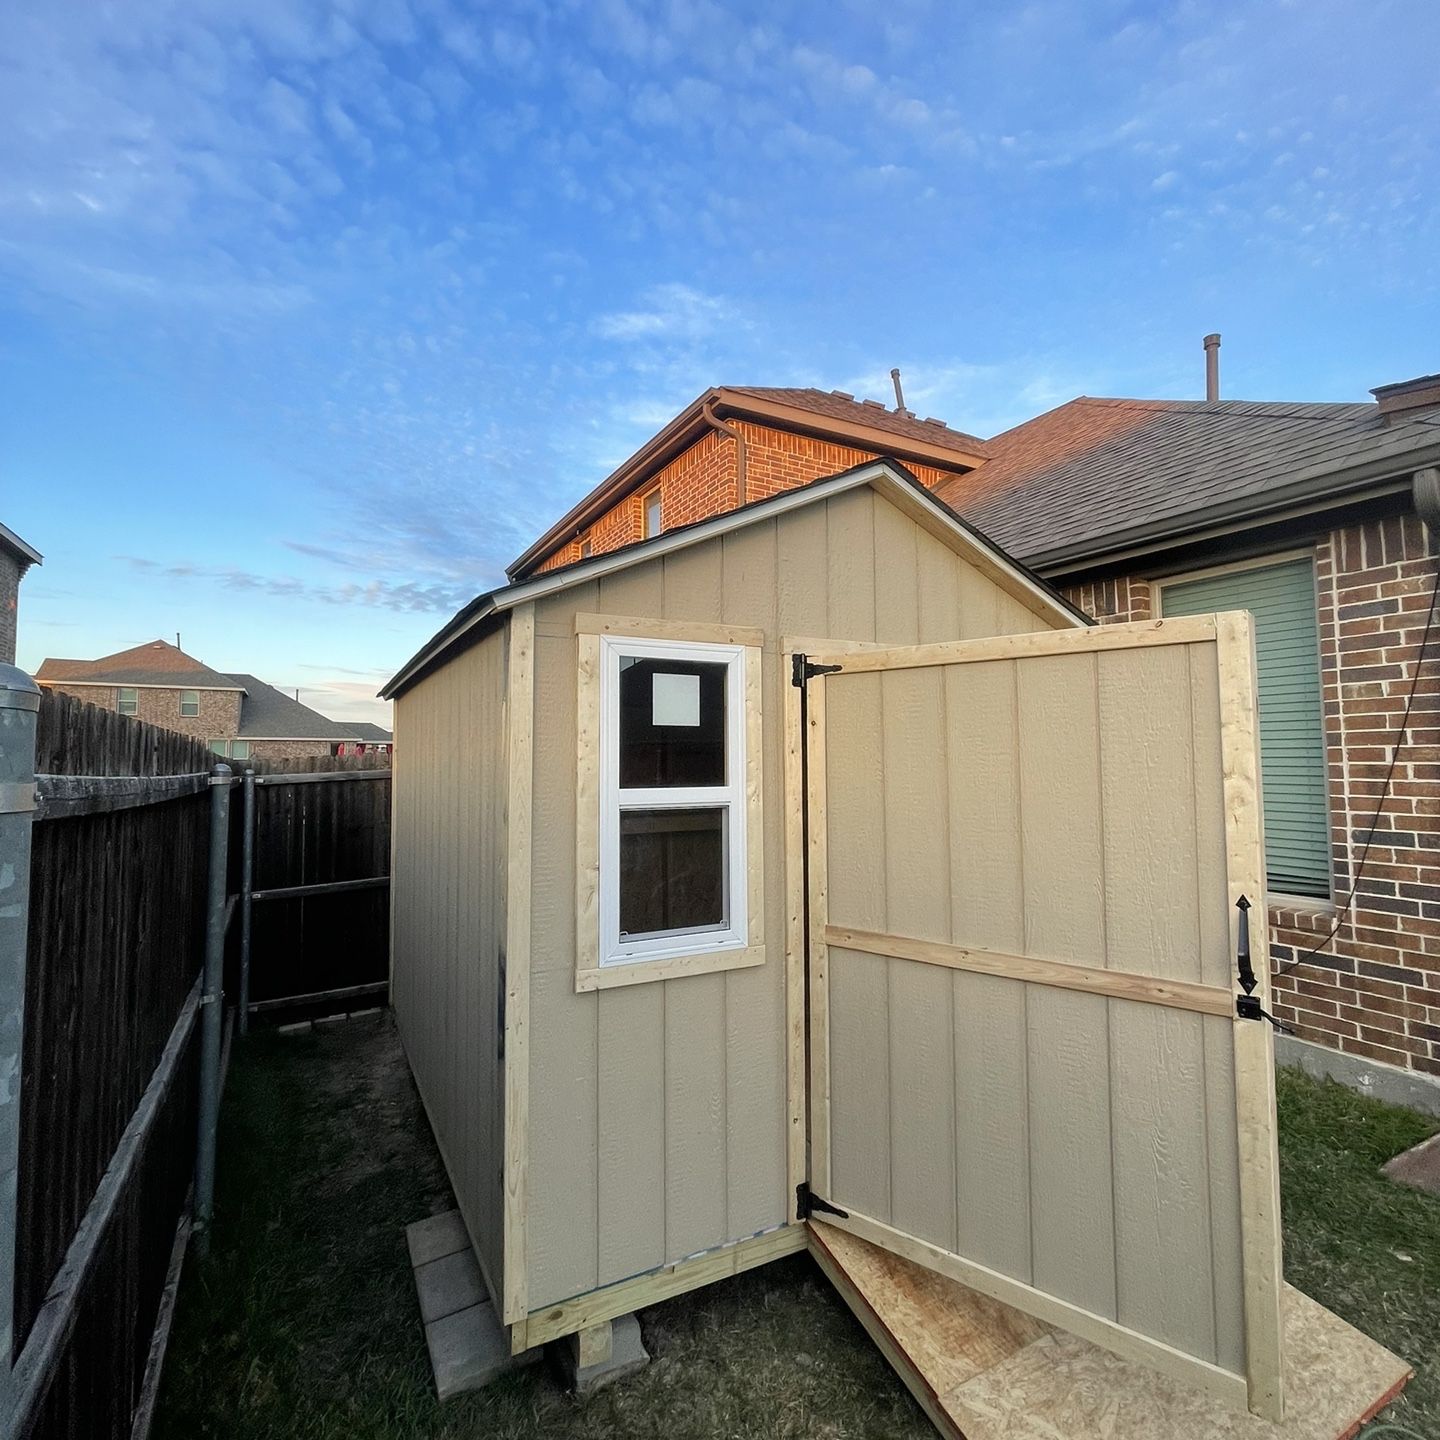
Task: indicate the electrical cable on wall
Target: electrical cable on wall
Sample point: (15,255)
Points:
(1399,745)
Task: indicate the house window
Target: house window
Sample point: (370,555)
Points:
(652,513)
(587,549)
(1281,598)
(220,747)
(239,749)
(190,703)
(127,700)
(669,806)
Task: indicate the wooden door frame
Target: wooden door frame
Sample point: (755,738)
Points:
(1261,1388)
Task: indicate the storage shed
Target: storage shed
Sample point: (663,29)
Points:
(818,857)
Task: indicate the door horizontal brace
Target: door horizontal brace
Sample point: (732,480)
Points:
(1115,984)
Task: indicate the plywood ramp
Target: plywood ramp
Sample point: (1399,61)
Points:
(982,1371)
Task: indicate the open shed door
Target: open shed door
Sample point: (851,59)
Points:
(1027,1069)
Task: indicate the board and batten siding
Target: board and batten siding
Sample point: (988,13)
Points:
(657,1111)
(449,909)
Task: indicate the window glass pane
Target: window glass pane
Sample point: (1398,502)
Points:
(652,514)
(128,701)
(189,702)
(239,749)
(672,871)
(218,747)
(672,722)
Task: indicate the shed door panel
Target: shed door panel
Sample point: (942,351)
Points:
(1027,1070)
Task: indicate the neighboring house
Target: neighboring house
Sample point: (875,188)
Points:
(737,444)
(371,739)
(239,715)
(1304,514)
(16,557)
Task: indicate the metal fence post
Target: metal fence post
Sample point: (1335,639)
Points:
(212,1005)
(247,885)
(19,702)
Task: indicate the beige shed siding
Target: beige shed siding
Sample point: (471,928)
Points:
(658,1110)
(448,900)
(1048,1093)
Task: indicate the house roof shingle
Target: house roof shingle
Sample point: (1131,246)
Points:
(1089,475)
(271,714)
(836,405)
(157,662)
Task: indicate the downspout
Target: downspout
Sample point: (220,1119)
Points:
(708,411)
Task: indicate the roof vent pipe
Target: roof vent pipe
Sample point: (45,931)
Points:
(1212,369)
(900,395)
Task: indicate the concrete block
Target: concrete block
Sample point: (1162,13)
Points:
(1370,1077)
(471,1348)
(601,1354)
(448,1285)
(1418,1167)
(436,1237)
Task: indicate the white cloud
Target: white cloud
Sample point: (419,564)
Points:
(669,312)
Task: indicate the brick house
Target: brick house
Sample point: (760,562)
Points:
(16,557)
(736,444)
(240,716)
(1307,515)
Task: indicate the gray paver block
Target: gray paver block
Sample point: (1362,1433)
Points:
(448,1284)
(436,1237)
(627,1355)
(471,1348)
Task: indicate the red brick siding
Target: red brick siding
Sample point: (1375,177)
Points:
(1375,991)
(290,749)
(219,716)
(702,481)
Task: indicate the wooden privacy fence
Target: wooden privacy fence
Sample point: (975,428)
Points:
(123,864)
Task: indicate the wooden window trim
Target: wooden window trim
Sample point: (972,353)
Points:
(592,631)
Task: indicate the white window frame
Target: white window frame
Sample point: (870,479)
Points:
(646,532)
(602,957)
(120,701)
(615,948)
(189,714)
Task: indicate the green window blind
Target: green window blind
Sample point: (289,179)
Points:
(1292,744)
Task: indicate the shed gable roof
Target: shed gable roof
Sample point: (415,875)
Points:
(887,476)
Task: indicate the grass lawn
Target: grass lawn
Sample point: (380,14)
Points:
(303,1324)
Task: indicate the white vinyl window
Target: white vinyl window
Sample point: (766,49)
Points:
(652,513)
(673,857)
(127,700)
(190,703)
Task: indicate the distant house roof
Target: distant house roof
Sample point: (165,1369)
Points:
(371,733)
(828,414)
(157,662)
(270,714)
(11,542)
(1096,476)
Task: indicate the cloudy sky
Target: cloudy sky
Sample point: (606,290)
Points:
(313,315)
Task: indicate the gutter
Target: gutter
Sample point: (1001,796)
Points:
(741,451)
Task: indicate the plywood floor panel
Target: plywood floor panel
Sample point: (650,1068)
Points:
(983,1371)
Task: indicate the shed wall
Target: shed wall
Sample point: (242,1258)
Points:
(448,908)
(658,1110)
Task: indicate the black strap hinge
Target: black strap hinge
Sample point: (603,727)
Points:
(1248,1007)
(808,1204)
(802,670)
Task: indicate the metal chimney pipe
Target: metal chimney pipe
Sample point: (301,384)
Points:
(899,393)
(1212,368)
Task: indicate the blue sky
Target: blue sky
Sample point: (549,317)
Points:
(313,315)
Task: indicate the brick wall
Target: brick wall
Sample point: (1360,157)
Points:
(1375,991)
(9,600)
(289,749)
(219,716)
(702,481)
